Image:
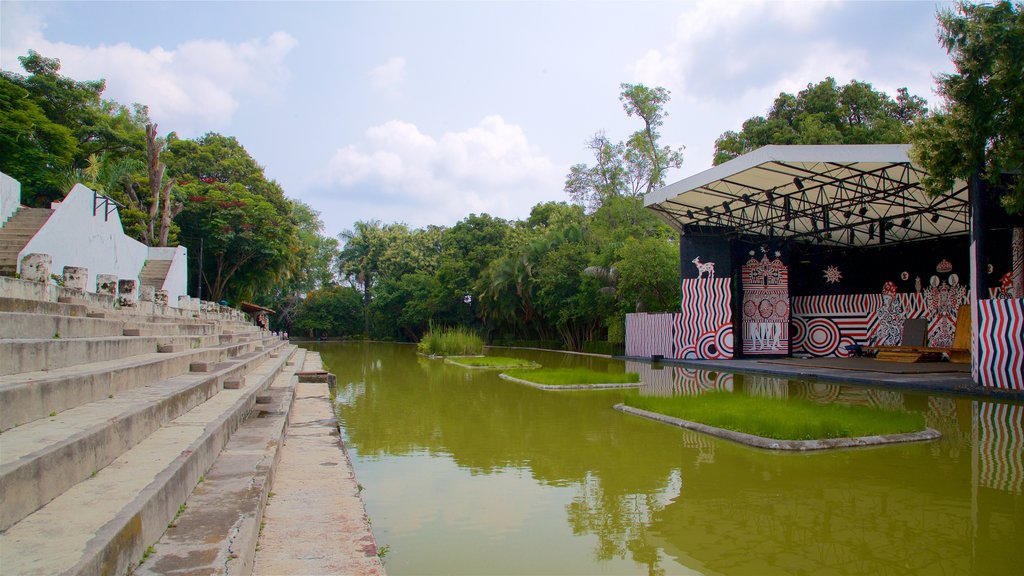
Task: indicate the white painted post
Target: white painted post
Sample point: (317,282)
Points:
(106,284)
(36,267)
(127,293)
(76,278)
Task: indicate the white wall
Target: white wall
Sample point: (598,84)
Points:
(10,197)
(73,236)
(176,282)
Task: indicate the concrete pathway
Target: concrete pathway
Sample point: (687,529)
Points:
(315,522)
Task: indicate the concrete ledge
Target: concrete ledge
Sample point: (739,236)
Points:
(35,478)
(218,531)
(610,386)
(189,445)
(30,396)
(509,367)
(794,445)
(30,355)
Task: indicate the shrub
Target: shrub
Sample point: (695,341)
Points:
(457,341)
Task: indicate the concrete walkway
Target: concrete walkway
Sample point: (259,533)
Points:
(315,522)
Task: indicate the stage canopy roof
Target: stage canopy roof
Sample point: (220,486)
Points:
(843,195)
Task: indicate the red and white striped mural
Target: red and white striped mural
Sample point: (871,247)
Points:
(1000,429)
(1000,344)
(703,330)
(650,334)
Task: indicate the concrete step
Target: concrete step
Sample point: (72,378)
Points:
(41,307)
(42,459)
(30,396)
(219,528)
(40,326)
(103,524)
(31,355)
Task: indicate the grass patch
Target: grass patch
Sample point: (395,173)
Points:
(457,341)
(780,419)
(570,376)
(494,362)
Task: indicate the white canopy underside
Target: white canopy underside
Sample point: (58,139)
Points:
(850,195)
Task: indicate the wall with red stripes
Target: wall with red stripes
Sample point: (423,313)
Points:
(1000,347)
(703,329)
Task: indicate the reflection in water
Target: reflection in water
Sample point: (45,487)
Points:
(466,473)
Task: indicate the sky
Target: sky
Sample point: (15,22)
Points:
(426,112)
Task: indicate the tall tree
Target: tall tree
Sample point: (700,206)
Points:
(980,128)
(632,167)
(52,125)
(827,113)
(158,205)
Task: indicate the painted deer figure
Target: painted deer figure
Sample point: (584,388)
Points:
(703,267)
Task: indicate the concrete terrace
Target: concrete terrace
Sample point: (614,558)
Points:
(143,438)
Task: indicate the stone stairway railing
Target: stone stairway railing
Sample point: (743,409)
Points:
(111,414)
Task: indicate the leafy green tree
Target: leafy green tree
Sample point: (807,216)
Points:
(331,311)
(981,126)
(648,270)
(246,243)
(826,113)
(33,149)
(630,168)
(217,158)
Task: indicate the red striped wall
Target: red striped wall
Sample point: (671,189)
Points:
(1000,345)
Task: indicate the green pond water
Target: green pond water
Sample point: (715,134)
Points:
(465,473)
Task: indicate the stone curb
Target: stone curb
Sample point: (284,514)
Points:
(508,367)
(791,445)
(572,386)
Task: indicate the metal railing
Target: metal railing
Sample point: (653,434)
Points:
(108,204)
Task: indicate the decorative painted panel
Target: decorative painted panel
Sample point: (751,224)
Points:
(765,306)
(650,334)
(704,328)
(1000,345)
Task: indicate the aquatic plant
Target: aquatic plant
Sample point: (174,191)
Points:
(457,341)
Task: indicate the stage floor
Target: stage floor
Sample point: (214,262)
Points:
(873,365)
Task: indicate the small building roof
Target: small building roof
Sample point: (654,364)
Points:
(849,195)
(250,308)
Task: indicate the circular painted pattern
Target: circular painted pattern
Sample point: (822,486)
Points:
(765,308)
(706,347)
(798,331)
(822,337)
(843,343)
(750,309)
(688,353)
(781,309)
(723,339)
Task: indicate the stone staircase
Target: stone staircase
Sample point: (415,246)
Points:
(154,273)
(15,234)
(110,418)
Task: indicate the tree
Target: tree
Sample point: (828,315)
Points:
(631,168)
(332,311)
(33,149)
(52,125)
(826,113)
(247,245)
(980,128)
(159,201)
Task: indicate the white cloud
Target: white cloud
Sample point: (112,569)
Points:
(419,179)
(389,77)
(191,88)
